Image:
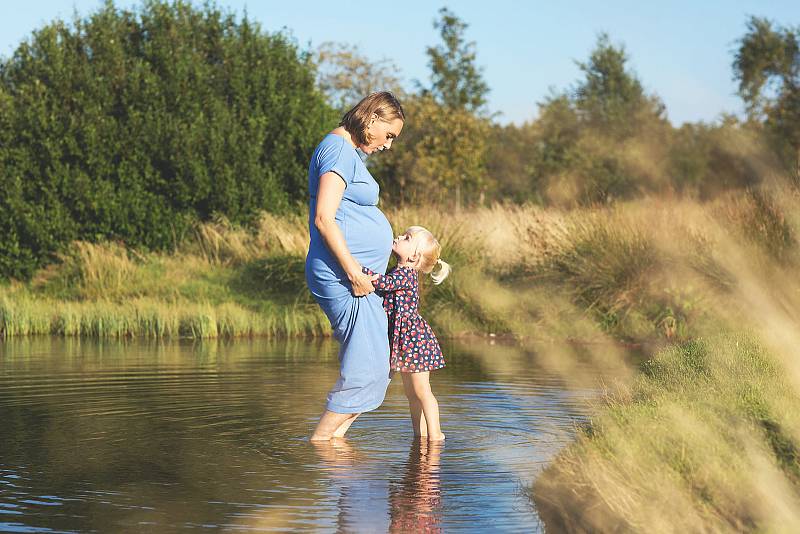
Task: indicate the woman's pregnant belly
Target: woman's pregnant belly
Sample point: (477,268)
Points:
(368,235)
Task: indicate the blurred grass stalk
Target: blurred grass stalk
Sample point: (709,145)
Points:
(706,437)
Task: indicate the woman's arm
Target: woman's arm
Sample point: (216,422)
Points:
(329,196)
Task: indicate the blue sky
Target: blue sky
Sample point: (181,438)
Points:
(681,49)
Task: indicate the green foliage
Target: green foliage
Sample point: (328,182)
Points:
(601,141)
(134,124)
(703,440)
(510,162)
(456,82)
(440,157)
(611,98)
(767,67)
(606,140)
(707,160)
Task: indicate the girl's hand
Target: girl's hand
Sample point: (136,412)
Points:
(362,284)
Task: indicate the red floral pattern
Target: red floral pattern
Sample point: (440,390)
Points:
(413,345)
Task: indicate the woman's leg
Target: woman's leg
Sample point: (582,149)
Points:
(332,423)
(339,433)
(421,386)
(418,422)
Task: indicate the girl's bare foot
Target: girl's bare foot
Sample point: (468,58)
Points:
(436,437)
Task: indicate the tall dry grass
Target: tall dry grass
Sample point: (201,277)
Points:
(645,271)
(223,281)
(706,438)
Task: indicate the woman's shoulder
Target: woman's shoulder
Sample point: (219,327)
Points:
(338,137)
(333,140)
(335,146)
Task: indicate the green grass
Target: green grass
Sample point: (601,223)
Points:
(23,314)
(705,439)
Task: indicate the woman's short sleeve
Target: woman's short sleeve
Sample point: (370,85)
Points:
(336,156)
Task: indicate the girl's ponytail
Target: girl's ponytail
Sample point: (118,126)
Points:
(438,275)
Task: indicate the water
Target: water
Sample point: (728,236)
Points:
(135,436)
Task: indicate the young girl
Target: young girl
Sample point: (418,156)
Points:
(414,350)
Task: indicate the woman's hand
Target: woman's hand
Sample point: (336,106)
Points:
(362,283)
(329,195)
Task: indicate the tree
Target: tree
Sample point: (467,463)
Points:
(767,67)
(346,76)
(133,125)
(440,156)
(611,97)
(456,81)
(600,140)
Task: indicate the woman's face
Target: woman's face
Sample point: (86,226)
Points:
(382,134)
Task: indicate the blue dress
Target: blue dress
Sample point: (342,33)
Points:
(359,323)
(413,345)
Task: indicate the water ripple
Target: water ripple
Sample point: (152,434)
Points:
(129,436)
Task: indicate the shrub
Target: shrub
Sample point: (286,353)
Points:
(133,125)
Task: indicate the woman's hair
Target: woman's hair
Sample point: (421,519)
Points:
(383,104)
(429,250)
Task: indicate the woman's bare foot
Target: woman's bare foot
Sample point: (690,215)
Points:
(334,452)
(436,437)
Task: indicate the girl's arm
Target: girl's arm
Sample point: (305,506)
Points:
(393,281)
(329,196)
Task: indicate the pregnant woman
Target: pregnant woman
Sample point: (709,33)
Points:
(349,232)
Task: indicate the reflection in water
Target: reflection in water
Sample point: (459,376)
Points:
(131,436)
(408,503)
(362,498)
(416,502)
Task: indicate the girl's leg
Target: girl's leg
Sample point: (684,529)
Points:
(330,423)
(420,383)
(418,422)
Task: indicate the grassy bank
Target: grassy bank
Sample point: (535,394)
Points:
(221,282)
(705,435)
(706,439)
(646,271)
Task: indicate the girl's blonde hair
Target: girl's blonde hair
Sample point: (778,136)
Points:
(429,250)
(383,104)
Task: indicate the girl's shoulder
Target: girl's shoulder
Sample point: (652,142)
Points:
(409,273)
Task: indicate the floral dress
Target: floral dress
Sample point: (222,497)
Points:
(413,347)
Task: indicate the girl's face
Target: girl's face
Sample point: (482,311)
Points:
(404,247)
(382,134)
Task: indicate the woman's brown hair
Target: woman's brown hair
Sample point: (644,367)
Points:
(383,104)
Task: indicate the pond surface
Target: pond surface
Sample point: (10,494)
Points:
(148,437)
